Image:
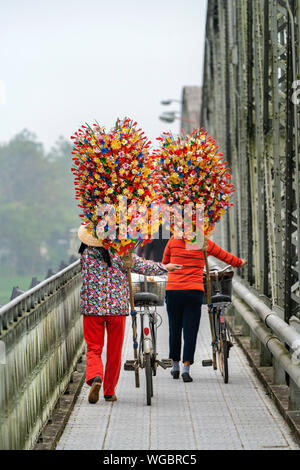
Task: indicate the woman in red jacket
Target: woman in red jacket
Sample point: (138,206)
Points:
(184,294)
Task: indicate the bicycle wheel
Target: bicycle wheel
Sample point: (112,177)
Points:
(224,353)
(149,382)
(213,323)
(217,339)
(222,348)
(153,332)
(141,343)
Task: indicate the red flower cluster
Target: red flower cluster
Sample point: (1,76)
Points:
(192,172)
(109,166)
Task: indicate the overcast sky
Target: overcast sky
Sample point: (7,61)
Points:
(64,62)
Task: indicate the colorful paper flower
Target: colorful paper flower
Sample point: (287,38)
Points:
(108,166)
(191,171)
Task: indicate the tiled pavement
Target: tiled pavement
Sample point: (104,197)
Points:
(204,414)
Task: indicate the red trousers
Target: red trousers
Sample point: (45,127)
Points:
(94,330)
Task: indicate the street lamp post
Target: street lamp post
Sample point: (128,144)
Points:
(189,114)
(171,116)
(167,102)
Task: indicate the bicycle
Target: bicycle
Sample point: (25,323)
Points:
(221,288)
(147,357)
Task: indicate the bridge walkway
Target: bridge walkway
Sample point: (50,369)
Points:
(206,414)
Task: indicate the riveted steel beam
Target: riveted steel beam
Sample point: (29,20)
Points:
(252,63)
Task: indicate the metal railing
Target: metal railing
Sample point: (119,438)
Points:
(277,341)
(42,333)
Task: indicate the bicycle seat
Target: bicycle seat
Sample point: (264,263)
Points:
(145,298)
(218,298)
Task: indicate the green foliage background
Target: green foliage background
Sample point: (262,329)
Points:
(37,209)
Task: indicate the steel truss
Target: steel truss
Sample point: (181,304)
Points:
(252,64)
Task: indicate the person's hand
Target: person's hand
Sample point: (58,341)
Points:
(244,261)
(172,267)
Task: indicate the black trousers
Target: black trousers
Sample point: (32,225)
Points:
(184,312)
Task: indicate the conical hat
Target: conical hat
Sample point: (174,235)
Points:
(87,238)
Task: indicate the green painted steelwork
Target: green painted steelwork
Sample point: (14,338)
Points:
(252,64)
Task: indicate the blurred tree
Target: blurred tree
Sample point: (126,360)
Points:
(61,196)
(37,204)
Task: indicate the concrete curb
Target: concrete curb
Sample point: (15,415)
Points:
(52,432)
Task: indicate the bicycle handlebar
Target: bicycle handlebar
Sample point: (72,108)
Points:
(219,271)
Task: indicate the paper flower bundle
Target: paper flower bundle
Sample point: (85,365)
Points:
(111,166)
(193,172)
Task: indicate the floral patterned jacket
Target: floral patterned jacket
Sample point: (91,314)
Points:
(105,291)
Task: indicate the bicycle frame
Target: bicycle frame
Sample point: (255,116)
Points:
(146,345)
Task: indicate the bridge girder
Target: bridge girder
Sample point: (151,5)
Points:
(249,103)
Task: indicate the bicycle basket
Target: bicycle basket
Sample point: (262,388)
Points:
(224,284)
(154,286)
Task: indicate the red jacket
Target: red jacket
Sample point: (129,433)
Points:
(190,277)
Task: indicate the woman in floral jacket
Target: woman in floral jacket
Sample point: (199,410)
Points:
(105,305)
